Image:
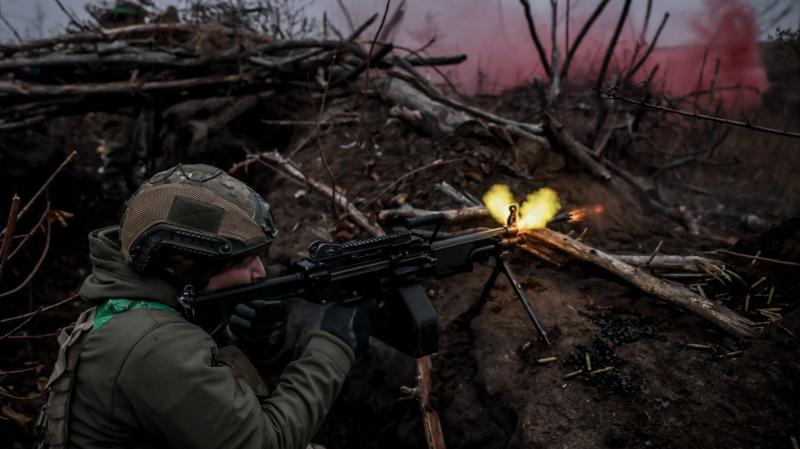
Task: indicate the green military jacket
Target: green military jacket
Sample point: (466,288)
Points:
(148,378)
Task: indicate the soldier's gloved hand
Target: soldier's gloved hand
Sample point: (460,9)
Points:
(349,323)
(261,322)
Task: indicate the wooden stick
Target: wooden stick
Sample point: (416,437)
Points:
(542,253)
(32,369)
(36,266)
(20,325)
(393,184)
(453,193)
(433,428)
(45,214)
(655,252)
(11,227)
(22,123)
(114,33)
(43,309)
(46,90)
(758,258)
(695,264)
(291,168)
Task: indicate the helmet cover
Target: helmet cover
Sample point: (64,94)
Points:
(195,211)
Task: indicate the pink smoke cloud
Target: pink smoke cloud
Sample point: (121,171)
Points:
(501,54)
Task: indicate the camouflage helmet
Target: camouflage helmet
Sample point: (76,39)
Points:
(197,213)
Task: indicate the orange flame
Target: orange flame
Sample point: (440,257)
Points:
(581,213)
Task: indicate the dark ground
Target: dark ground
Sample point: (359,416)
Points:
(488,388)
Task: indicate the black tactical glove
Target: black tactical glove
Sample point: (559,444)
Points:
(349,323)
(261,324)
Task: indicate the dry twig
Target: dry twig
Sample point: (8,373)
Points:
(758,258)
(44,186)
(42,310)
(11,227)
(436,163)
(35,267)
(611,94)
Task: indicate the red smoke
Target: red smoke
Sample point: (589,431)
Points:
(727,32)
(501,54)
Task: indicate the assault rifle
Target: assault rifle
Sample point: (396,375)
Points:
(387,270)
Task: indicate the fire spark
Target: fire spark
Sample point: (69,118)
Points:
(580,213)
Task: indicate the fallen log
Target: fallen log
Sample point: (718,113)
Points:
(560,138)
(437,119)
(677,294)
(42,90)
(519,129)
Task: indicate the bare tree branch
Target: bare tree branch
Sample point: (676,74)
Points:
(613,44)
(532,28)
(44,186)
(581,34)
(650,48)
(11,27)
(72,19)
(646,24)
(347,16)
(611,94)
(552,92)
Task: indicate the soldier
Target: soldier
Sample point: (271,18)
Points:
(140,369)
